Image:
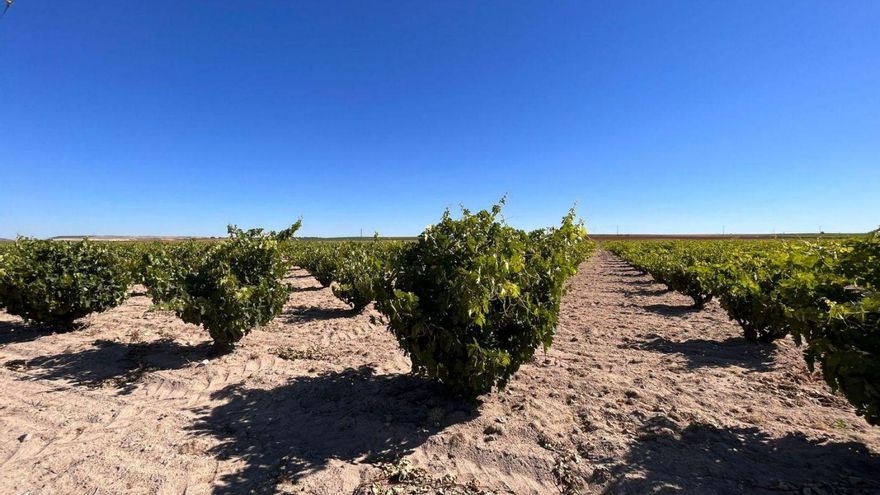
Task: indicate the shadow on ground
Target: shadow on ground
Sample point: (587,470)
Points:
(296,429)
(671,309)
(645,282)
(705,459)
(301,314)
(702,353)
(311,288)
(647,292)
(626,273)
(113,363)
(13,332)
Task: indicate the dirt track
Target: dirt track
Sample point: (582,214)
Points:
(638,394)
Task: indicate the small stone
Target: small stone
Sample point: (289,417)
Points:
(494,430)
(457,439)
(25,437)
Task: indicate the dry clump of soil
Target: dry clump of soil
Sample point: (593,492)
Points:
(639,394)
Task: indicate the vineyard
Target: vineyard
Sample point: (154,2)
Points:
(470,301)
(478,358)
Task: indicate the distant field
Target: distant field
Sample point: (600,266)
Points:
(598,237)
(709,237)
(123,238)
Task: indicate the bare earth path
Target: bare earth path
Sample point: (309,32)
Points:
(639,394)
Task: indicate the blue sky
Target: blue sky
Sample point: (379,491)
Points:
(177,118)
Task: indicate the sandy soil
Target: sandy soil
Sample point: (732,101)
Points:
(639,394)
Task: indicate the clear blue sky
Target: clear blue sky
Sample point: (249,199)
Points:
(161,117)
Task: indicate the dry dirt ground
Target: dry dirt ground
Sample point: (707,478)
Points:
(639,394)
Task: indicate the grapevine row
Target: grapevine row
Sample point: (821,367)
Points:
(469,301)
(825,294)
